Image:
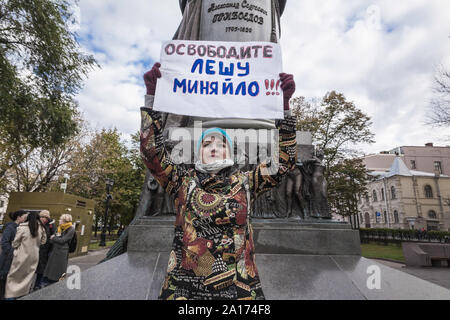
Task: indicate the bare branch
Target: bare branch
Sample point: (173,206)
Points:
(439,114)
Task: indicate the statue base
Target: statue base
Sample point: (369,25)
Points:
(296,261)
(271,236)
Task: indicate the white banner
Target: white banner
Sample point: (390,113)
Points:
(220,79)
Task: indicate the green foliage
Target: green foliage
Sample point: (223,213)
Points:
(337,126)
(335,123)
(347,179)
(438,234)
(404,233)
(104,156)
(41,69)
(377,251)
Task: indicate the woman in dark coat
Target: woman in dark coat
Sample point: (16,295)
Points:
(6,257)
(45,249)
(59,256)
(212,253)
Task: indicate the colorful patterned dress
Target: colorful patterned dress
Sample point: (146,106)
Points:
(212,254)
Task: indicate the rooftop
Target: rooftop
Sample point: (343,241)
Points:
(399,168)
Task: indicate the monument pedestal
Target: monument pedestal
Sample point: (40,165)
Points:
(295,260)
(271,236)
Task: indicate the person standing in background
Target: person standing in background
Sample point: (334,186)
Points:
(30,235)
(6,256)
(44,250)
(59,255)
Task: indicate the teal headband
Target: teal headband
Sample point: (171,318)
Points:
(211,131)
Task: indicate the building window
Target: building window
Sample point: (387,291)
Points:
(432,214)
(438,167)
(367,219)
(396,220)
(393,195)
(2,203)
(428,191)
(367,198)
(413,165)
(374,195)
(361,221)
(385,217)
(382,194)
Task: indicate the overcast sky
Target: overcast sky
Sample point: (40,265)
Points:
(382,55)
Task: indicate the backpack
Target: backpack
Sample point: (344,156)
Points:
(73,243)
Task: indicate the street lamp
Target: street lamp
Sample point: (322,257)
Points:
(109,185)
(64,185)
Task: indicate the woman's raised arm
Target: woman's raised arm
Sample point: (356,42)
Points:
(269,174)
(153,152)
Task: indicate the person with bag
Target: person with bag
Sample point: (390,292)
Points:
(212,253)
(29,236)
(59,255)
(45,249)
(6,256)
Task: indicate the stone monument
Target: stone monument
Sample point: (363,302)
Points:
(247,20)
(212,20)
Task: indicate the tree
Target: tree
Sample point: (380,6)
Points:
(103,156)
(336,126)
(335,123)
(136,178)
(42,166)
(440,105)
(41,70)
(348,178)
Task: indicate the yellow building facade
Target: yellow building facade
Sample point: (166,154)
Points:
(406,199)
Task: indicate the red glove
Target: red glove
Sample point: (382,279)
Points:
(288,87)
(151,77)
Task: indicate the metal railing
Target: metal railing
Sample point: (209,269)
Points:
(402,235)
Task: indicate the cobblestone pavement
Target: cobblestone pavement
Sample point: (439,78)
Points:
(439,276)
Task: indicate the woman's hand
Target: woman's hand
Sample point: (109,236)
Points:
(288,87)
(151,77)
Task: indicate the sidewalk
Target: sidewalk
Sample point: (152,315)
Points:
(89,260)
(439,276)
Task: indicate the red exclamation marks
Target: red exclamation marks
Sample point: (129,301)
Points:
(270,87)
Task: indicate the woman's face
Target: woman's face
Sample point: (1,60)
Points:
(214,148)
(21,219)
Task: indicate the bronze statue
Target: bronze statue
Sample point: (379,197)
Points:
(314,188)
(293,191)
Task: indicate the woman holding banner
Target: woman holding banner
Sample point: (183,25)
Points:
(212,255)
